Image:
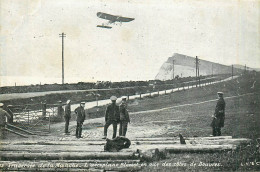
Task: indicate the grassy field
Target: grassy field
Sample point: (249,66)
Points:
(242,121)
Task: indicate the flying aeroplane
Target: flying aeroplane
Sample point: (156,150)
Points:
(112,19)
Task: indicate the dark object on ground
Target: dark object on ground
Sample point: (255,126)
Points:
(117,144)
(182,140)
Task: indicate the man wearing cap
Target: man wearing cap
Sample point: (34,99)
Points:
(80,112)
(3,116)
(67,116)
(111,117)
(124,117)
(219,115)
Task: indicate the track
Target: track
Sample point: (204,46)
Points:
(190,104)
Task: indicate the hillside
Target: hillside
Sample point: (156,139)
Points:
(184,66)
(238,66)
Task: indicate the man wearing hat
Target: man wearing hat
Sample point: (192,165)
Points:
(124,117)
(3,116)
(219,115)
(80,112)
(67,116)
(111,117)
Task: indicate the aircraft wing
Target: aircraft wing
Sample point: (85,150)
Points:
(107,16)
(113,18)
(124,19)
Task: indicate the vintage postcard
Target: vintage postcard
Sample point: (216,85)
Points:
(112,85)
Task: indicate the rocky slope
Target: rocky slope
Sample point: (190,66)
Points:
(184,66)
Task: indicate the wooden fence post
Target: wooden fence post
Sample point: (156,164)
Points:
(49,122)
(60,109)
(44,106)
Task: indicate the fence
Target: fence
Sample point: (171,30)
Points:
(169,88)
(30,118)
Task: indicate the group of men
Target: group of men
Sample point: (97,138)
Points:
(114,115)
(80,113)
(119,115)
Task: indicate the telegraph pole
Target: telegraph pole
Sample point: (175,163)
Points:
(173,69)
(199,72)
(196,69)
(232,71)
(245,68)
(196,62)
(62,38)
(212,70)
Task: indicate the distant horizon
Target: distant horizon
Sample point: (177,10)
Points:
(12,80)
(75,81)
(17,80)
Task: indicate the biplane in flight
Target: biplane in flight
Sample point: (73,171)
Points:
(112,19)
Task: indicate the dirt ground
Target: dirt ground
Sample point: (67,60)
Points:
(189,113)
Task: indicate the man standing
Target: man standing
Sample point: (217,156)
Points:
(111,117)
(80,112)
(67,116)
(3,116)
(219,115)
(124,117)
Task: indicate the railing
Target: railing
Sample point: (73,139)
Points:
(28,117)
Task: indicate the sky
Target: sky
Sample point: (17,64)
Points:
(225,32)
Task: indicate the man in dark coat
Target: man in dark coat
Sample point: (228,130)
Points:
(219,115)
(124,117)
(67,116)
(111,117)
(80,112)
(3,118)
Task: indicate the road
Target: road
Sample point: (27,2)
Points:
(11,96)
